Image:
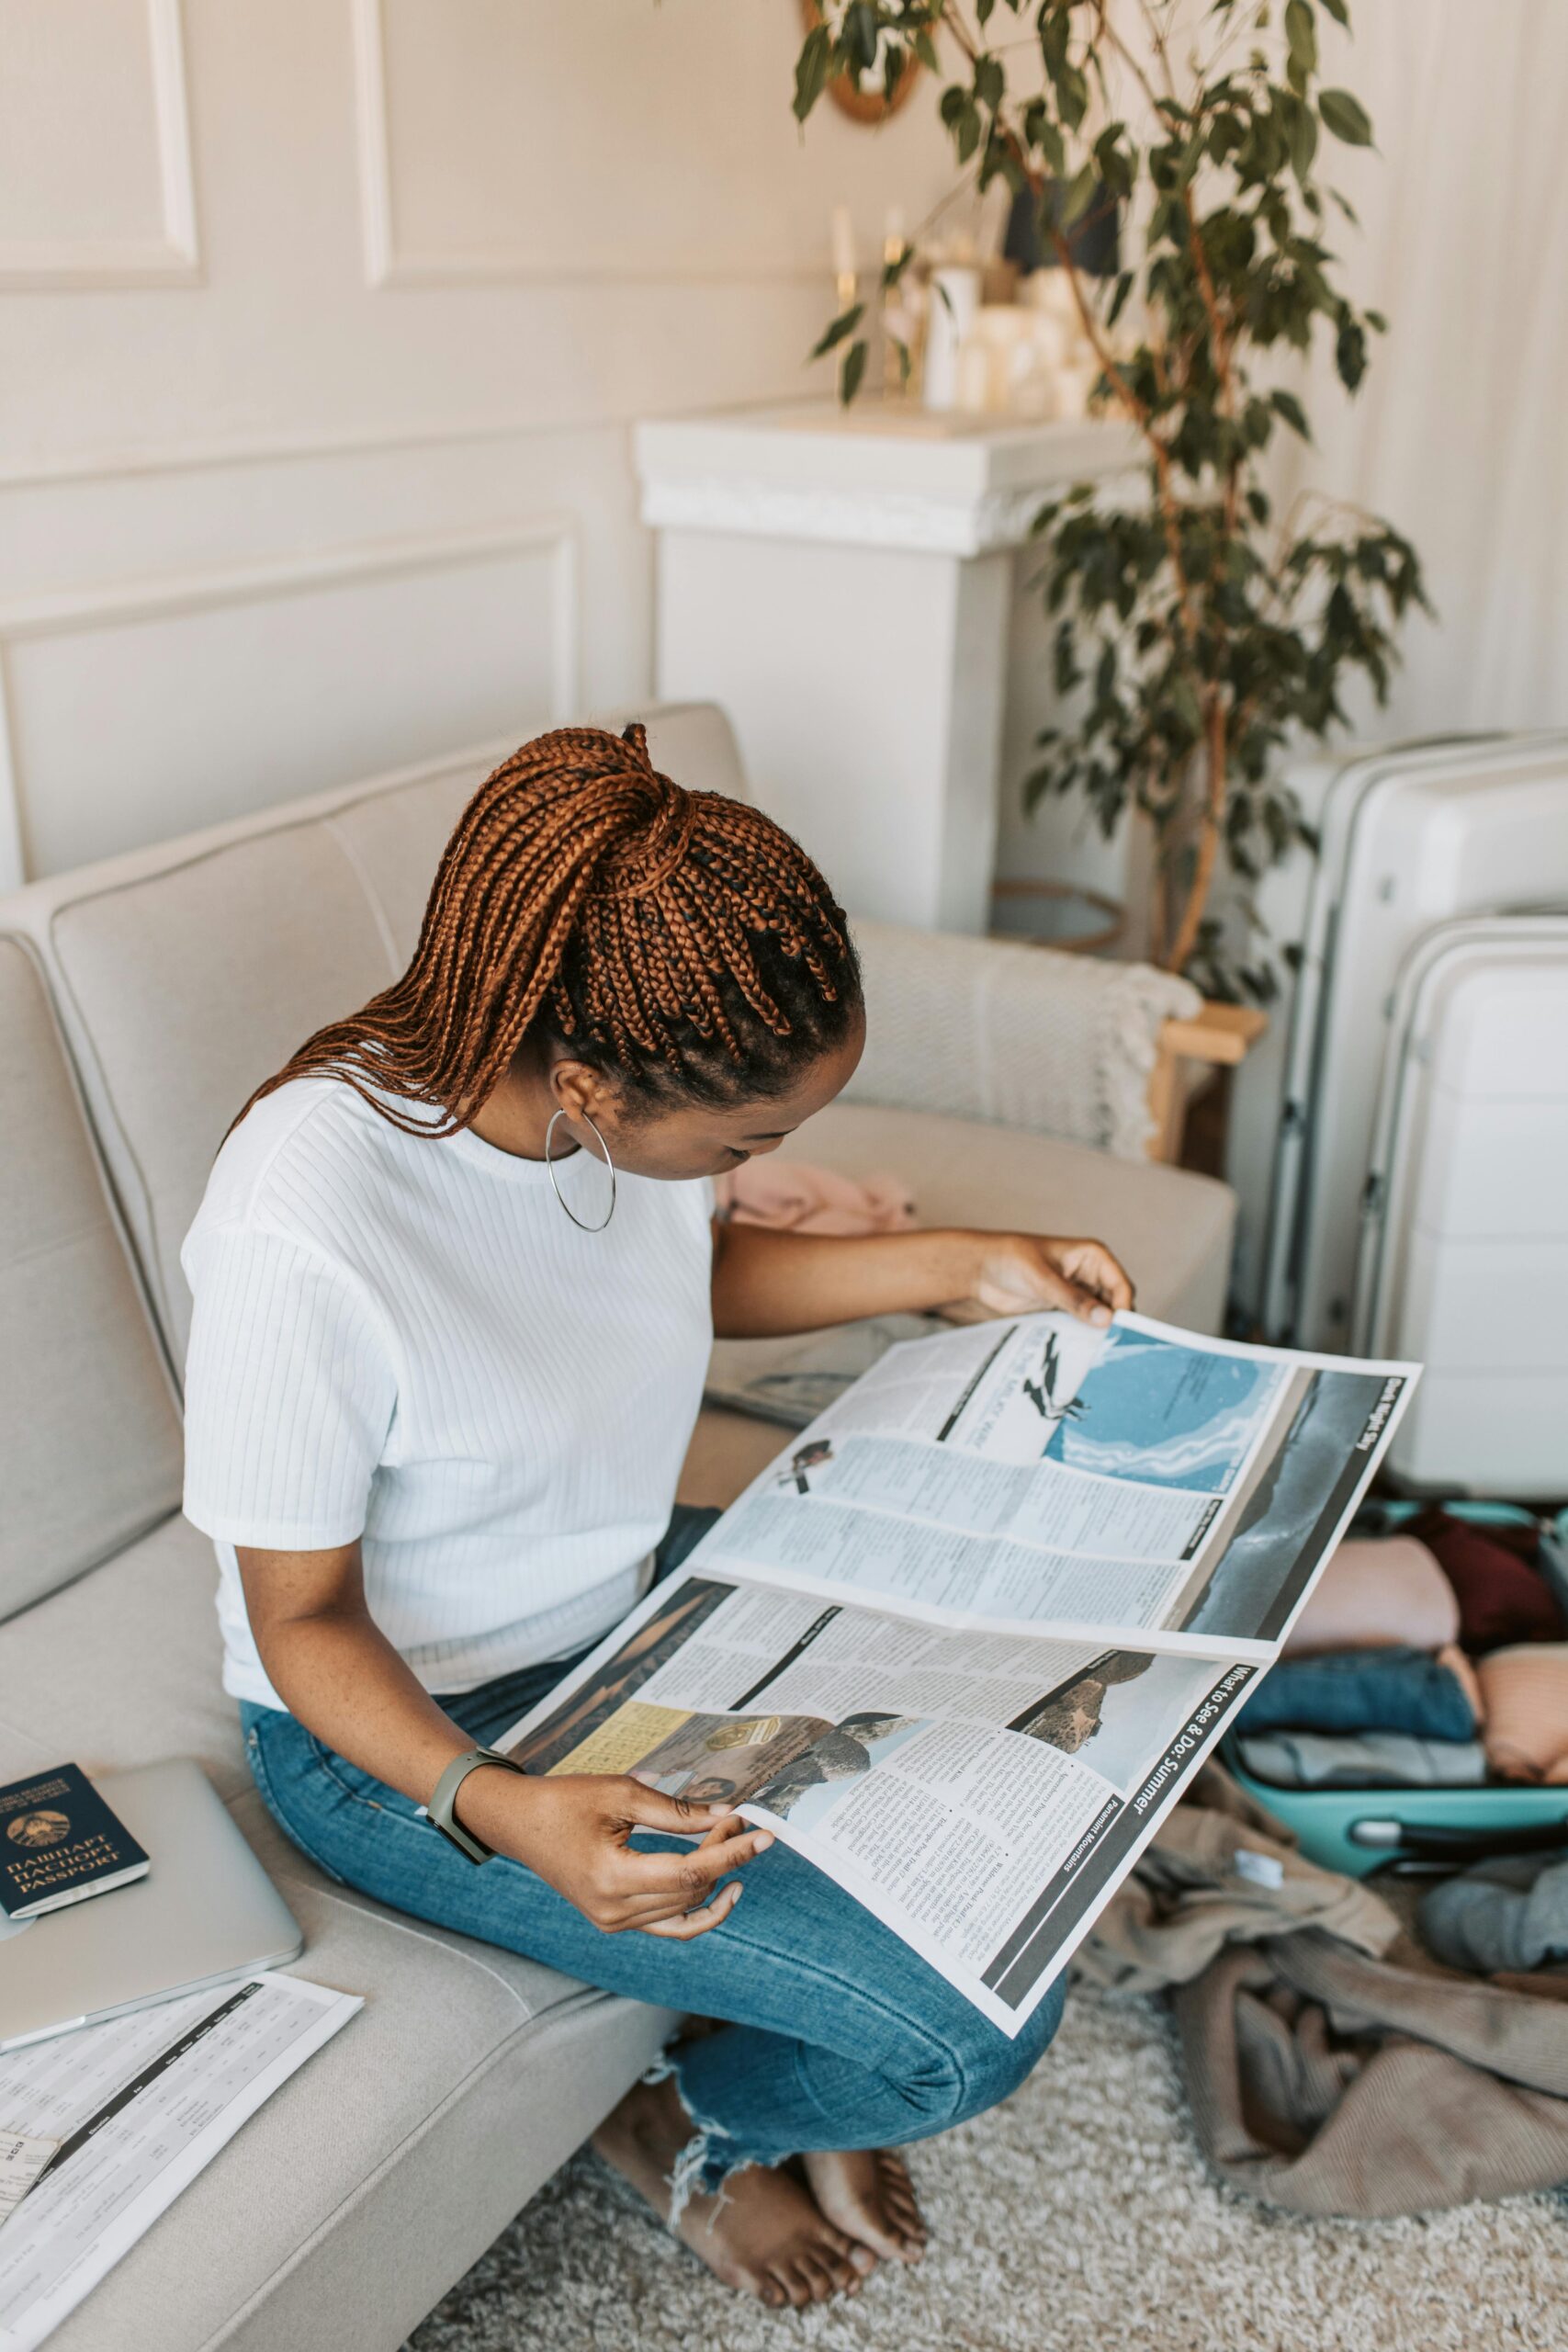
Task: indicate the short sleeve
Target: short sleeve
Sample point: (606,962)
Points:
(290,1394)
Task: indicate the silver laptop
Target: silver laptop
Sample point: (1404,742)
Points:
(206,1913)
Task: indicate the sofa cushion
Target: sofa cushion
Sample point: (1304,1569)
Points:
(123,1666)
(188,972)
(373,2178)
(89,1439)
(1172,1231)
(188,988)
(376,2177)
(394,834)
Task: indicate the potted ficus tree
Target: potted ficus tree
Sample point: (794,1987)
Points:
(1201,631)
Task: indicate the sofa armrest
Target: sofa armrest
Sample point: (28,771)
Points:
(1014,1035)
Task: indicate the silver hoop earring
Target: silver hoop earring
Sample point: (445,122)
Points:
(555,1187)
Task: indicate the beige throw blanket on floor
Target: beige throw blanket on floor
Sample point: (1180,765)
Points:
(1326,2081)
(1220,1871)
(1333,2067)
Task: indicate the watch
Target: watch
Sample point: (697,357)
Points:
(444,1793)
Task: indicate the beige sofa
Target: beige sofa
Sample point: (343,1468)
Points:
(140,1001)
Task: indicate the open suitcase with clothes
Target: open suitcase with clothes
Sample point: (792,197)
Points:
(1419,1717)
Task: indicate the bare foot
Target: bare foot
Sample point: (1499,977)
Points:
(765,2236)
(868,2192)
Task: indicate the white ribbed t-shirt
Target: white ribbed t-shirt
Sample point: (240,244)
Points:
(407,1340)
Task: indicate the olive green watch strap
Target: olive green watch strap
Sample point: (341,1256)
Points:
(444,1795)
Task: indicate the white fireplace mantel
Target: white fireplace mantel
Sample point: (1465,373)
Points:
(841,581)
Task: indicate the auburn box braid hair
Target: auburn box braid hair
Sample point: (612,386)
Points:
(680,942)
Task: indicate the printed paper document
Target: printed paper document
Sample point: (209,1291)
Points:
(961,1643)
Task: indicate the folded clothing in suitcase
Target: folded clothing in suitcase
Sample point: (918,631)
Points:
(1374,1708)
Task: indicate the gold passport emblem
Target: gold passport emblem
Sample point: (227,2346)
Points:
(35,1829)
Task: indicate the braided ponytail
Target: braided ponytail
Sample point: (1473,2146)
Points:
(679,941)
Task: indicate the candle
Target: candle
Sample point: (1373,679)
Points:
(843,243)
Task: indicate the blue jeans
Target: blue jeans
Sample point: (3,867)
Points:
(838,2035)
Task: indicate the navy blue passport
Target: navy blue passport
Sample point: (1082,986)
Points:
(59,1842)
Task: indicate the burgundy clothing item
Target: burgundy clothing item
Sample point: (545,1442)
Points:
(1502,1596)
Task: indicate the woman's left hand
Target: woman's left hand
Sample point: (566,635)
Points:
(1018,1273)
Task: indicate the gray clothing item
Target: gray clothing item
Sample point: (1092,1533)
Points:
(1508,1914)
(1368,1760)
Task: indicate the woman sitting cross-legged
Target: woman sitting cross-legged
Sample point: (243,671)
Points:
(443,1373)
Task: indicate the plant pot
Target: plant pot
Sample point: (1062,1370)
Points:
(1057,914)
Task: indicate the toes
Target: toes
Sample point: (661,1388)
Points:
(802,2286)
(863,2259)
(841,2269)
(818,2277)
(899,2204)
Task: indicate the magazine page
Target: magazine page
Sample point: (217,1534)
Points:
(981,1793)
(1038,1472)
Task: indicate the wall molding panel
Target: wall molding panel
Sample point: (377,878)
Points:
(88,265)
(548,672)
(389,261)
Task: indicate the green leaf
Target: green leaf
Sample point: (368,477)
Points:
(1184,705)
(1301,35)
(1304,142)
(1338,11)
(925,49)
(968,135)
(854,370)
(845,324)
(1053,148)
(859,35)
(983,11)
(989,82)
(811,70)
(1079,194)
(1286,404)
(1346,117)
(1072,96)
(1119,299)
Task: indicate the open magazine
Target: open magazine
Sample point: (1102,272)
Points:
(962,1642)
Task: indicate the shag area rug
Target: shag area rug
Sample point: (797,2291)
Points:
(1077,2218)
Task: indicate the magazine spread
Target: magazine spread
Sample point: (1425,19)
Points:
(961,1643)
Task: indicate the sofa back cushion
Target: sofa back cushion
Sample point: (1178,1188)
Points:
(89,1435)
(189,972)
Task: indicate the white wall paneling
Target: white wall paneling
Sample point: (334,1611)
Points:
(590,211)
(145,707)
(608,141)
(96,184)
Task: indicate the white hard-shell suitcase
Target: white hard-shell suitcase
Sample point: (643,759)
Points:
(1409,837)
(1462,1262)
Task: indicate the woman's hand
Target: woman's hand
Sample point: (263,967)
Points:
(1020,1273)
(574,1829)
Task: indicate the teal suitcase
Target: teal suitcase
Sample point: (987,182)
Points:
(1362,1830)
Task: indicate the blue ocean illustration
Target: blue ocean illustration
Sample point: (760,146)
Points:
(1153,1409)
